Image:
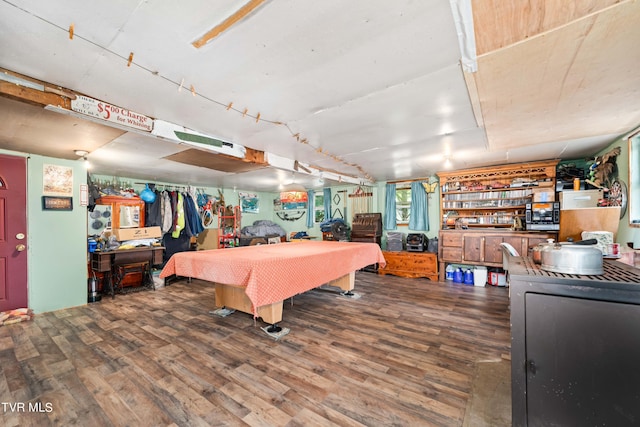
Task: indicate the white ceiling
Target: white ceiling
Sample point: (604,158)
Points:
(368,88)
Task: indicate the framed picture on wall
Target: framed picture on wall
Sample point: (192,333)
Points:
(248,202)
(53,203)
(57,180)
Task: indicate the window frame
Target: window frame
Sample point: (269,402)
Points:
(318,207)
(403,186)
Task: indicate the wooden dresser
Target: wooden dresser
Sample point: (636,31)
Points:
(482,246)
(411,264)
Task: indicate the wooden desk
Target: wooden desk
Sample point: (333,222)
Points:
(107,262)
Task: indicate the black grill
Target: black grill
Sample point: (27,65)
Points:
(614,271)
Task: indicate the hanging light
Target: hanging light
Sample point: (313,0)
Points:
(293,186)
(83,154)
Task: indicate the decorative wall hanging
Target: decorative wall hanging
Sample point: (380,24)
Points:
(51,203)
(248,202)
(292,200)
(361,200)
(57,180)
(430,187)
(290,216)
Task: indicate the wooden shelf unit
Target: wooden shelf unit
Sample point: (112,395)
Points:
(494,196)
(228,228)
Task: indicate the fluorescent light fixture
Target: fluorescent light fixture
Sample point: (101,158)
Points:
(182,135)
(284,163)
(21,82)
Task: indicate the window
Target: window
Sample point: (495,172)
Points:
(403,203)
(318,208)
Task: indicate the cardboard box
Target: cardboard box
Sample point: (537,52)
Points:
(580,199)
(541,195)
(137,233)
(207,239)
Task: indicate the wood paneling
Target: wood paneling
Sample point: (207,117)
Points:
(552,70)
(215,161)
(500,23)
(400,355)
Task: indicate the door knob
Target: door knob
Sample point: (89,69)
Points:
(20,247)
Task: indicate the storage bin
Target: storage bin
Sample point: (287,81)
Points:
(502,279)
(480,275)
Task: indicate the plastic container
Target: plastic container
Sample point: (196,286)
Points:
(457,276)
(502,279)
(480,275)
(449,272)
(468,277)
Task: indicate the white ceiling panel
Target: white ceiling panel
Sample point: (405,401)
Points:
(369,88)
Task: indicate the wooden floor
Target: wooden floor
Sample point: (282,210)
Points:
(403,354)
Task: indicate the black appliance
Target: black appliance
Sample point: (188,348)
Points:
(574,346)
(417,242)
(542,216)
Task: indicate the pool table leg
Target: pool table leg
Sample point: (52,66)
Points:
(346,282)
(234,297)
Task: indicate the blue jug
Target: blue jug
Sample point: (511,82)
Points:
(468,277)
(457,276)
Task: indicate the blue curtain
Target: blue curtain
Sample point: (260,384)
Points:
(390,207)
(311,214)
(419,212)
(326,192)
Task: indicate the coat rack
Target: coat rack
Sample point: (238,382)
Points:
(361,200)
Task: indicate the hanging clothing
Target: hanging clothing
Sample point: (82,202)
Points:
(192,215)
(153,213)
(167,213)
(178,217)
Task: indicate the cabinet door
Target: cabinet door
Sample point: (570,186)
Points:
(492,249)
(581,362)
(473,248)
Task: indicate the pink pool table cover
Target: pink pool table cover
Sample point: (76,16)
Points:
(273,273)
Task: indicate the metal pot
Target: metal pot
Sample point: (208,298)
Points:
(572,258)
(536,251)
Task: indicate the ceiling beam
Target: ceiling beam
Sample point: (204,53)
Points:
(227,23)
(21,88)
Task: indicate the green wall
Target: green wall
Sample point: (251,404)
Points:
(56,242)
(625,233)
